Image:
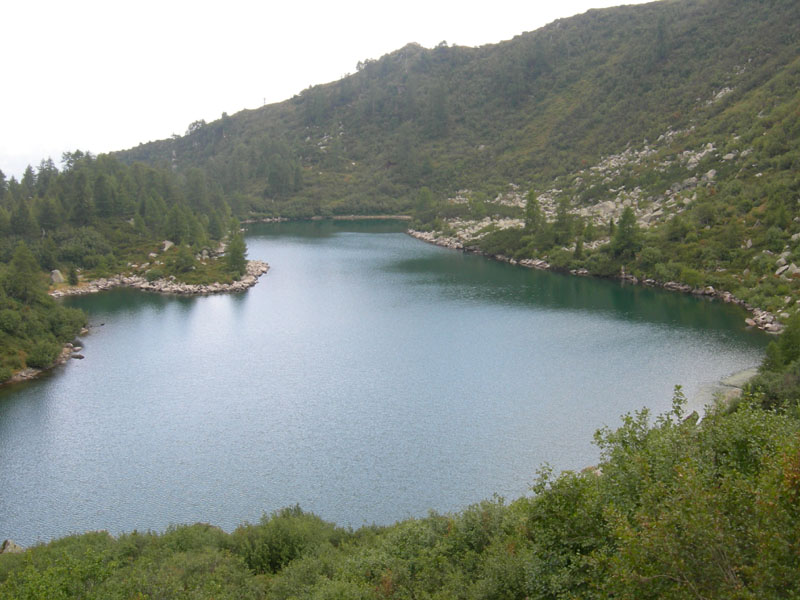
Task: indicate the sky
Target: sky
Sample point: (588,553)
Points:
(103,75)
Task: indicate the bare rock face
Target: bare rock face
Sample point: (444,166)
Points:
(9,547)
(56,276)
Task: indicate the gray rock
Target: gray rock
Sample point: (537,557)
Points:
(56,276)
(166,245)
(9,547)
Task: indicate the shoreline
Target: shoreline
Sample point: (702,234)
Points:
(761,319)
(68,351)
(254,270)
(328,218)
(725,391)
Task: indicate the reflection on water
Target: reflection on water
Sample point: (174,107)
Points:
(367,377)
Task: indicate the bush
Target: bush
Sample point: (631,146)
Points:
(691,277)
(10,320)
(602,265)
(281,538)
(154,274)
(42,354)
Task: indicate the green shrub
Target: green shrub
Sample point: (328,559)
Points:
(281,538)
(691,277)
(42,354)
(154,274)
(10,320)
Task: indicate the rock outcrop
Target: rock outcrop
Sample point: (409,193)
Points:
(9,547)
(255,268)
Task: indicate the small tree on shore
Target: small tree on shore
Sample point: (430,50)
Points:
(236,255)
(626,241)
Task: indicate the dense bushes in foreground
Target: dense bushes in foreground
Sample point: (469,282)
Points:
(675,509)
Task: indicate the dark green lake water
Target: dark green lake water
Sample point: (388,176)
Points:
(368,377)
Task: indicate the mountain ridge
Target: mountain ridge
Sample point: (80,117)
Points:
(706,89)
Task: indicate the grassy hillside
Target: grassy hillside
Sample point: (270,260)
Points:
(544,104)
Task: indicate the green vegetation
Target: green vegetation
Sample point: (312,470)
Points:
(680,117)
(684,111)
(33,327)
(94,218)
(676,508)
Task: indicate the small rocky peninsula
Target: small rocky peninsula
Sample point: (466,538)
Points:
(255,268)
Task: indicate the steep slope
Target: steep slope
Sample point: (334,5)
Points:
(684,111)
(526,110)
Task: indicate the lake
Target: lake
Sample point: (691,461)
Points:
(368,377)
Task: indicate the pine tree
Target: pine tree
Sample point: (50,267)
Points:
(236,256)
(534,218)
(626,241)
(23,279)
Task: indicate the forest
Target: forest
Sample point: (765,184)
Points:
(94,218)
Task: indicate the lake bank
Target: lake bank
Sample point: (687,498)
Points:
(760,319)
(254,270)
(726,390)
(373,379)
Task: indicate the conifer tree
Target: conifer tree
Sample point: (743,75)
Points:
(23,280)
(236,255)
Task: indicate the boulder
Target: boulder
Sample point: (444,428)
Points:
(9,547)
(166,245)
(56,276)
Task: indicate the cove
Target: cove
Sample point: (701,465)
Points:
(369,377)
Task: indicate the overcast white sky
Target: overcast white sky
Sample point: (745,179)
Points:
(106,75)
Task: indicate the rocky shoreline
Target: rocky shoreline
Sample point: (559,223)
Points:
(761,319)
(255,268)
(69,351)
(726,391)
